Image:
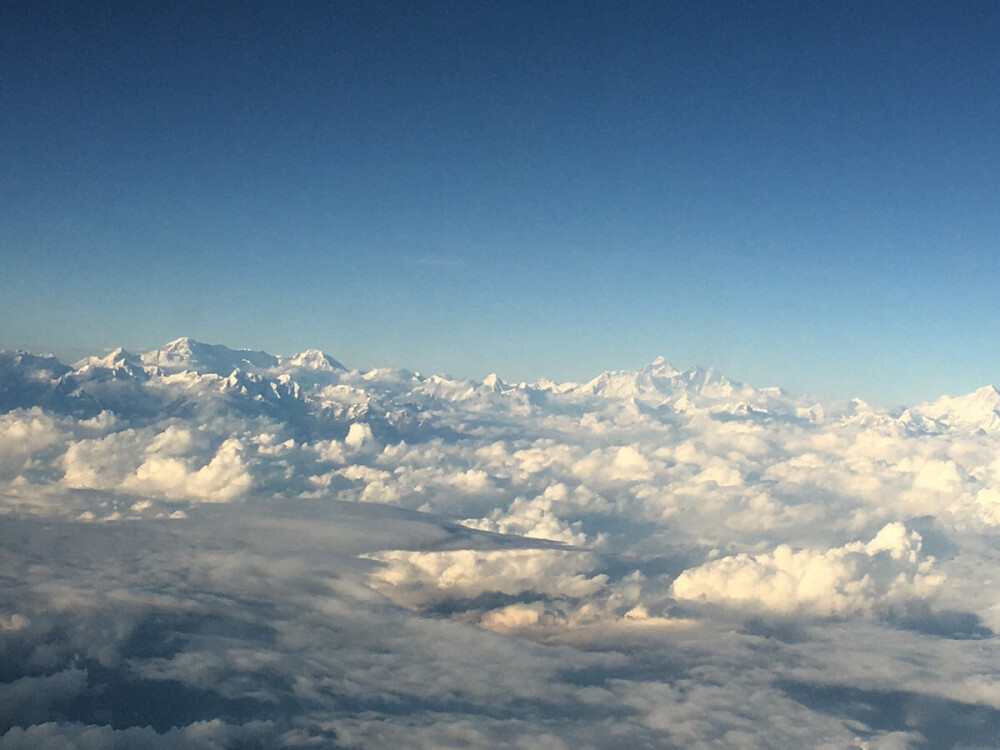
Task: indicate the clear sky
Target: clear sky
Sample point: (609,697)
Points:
(804,194)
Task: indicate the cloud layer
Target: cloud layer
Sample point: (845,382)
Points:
(204,547)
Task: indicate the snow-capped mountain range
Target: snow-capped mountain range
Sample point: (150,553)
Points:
(313,382)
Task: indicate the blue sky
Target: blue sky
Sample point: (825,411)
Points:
(799,194)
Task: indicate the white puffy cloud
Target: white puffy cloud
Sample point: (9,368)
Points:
(102,463)
(852,578)
(157,465)
(223,478)
(416,578)
(359,435)
(25,436)
(621,464)
(534,519)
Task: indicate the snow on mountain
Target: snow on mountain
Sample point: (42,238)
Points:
(116,364)
(259,388)
(185,354)
(492,382)
(661,368)
(977,410)
(659,382)
(443,388)
(31,380)
(314,381)
(31,367)
(312,359)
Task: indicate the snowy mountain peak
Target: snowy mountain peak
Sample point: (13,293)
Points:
(187,354)
(660,379)
(238,377)
(659,367)
(39,365)
(314,359)
(180,346)
(979,409)
(988,394)
(115,359)
(493,382)
(115,365)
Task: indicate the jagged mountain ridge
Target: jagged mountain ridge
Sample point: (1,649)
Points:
(313,386)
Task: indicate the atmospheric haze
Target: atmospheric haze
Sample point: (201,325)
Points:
(214,548)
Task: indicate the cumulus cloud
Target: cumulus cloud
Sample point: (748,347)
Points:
(415,578)
(534,519)
(25,436)
(622,464)
(852,578)
(223,478)
(298,556)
